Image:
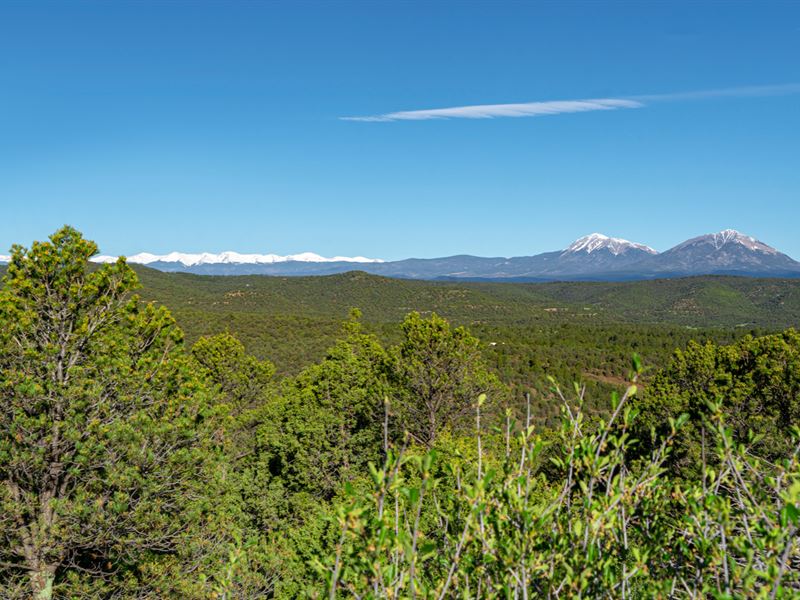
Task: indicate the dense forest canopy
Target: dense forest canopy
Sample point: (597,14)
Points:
(398,453)
(575,331)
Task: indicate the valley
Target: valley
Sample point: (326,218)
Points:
(573,331)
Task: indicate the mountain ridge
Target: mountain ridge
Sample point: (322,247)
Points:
(596,241)
(594,257)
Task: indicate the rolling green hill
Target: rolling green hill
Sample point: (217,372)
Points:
(576,331)
(693,302)
(582,331)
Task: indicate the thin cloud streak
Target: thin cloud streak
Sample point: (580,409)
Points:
(754,91)
(558,107)
(491,111)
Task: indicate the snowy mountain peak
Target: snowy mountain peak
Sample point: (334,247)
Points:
(729,236)
(232,258)
(598,241)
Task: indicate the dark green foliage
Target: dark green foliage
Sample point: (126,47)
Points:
(437,373)
(102,426)
(243,381)
(244,388)
(317,431)
(330,418)
(756,381)
(130,467)
(597,356)
(574,332)
(712,301)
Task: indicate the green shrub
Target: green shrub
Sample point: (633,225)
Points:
(607,527)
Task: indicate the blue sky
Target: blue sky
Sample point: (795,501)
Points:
(210,126)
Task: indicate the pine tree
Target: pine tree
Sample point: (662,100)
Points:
(101,426)
(439,373)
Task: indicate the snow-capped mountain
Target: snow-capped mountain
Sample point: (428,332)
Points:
(232,258)
(591,257)
(594,255)
(235,263)
(725,252)
(727,237)
(598,242)
(586,257)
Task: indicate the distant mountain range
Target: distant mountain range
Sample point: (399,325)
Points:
(594,257)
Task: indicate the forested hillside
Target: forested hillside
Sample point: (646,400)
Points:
(572,331)
(408,459)
(713,301)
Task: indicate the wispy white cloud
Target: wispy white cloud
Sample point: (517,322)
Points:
(491,111)
(737,92)
(558,107)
